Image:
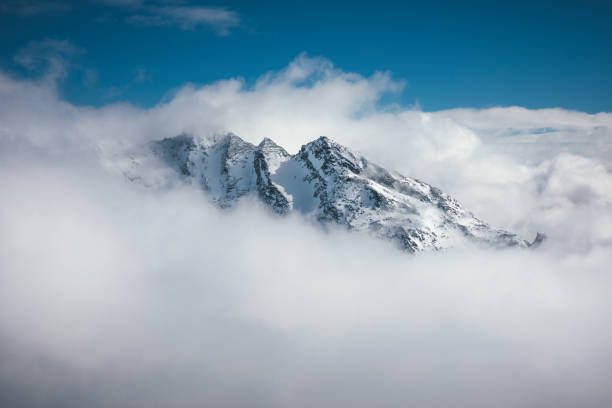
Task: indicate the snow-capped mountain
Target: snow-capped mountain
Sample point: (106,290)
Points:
(327,183)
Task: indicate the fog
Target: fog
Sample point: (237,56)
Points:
(113,294)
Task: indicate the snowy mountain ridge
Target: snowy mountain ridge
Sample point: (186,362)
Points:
(327,183)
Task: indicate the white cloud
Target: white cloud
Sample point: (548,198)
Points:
(179,14)
(527,134)
(114,295)
(49,56)
(121,290)
(493,170)
(188,18)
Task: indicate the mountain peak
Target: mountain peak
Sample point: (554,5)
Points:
(322,142)
(233,139)
(330,156)
(268,143)
(328,184)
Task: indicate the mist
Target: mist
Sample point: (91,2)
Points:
(113,294)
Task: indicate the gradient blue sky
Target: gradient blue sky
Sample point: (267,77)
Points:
(452,54)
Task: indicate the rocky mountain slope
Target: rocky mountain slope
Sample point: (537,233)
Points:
(328,184)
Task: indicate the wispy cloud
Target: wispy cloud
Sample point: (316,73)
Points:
(50,57)
(28,8)
(178,14)
(188,18)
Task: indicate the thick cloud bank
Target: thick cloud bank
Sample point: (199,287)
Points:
(116,295)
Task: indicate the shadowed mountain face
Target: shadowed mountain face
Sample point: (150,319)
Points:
(327,183)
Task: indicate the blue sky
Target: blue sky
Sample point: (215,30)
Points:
(451,54)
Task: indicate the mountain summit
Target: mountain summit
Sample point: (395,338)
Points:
(327,183)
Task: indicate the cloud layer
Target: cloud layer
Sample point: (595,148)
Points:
(115,295)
